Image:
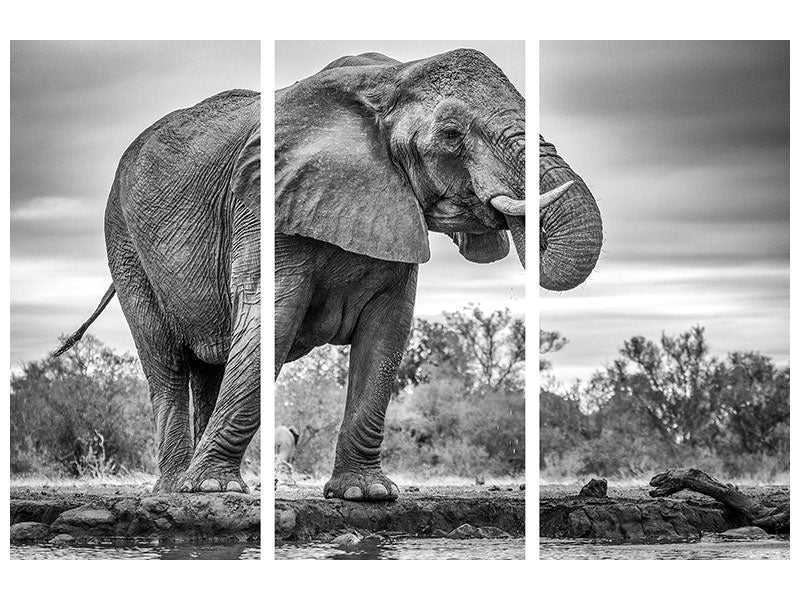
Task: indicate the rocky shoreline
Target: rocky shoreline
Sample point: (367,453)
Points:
(631,515)
(301,514)
(74,515)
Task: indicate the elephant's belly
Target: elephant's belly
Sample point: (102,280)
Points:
(342,284)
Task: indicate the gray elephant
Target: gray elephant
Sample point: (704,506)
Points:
(570,227)
(371,154)
(182,230)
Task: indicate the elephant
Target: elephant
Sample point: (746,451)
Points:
(286,439)
(182,230)
(372,154)
(570,226)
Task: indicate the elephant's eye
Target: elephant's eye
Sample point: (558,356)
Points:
(451,138)
(451,134)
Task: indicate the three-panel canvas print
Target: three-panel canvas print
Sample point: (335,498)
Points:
(399,298)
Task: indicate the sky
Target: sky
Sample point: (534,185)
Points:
(448,282)
(685,146)
(75,107)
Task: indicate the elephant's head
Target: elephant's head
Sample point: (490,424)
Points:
(570,228)
(372,153)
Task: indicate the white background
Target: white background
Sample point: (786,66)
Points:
(406,20)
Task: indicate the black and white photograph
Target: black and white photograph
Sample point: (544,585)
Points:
(400,300)
(135,300)
(664,300)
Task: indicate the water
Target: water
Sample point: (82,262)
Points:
(133,549)
(708,547)
(407,549)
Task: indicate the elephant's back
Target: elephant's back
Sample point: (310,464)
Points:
(172,193)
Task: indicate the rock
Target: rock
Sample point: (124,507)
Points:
(479,480)
(373,538)
(439,533)
(493,488)
(285,521)
(62,539)
(464,532)
(87,516)
(522,486)
(596,488)
(751,532)
(27,531)
(493,533)
(412,488)
(346,539)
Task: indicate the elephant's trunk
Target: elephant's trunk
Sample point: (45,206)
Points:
(570,230)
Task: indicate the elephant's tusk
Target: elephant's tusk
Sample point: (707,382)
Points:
(548,198)
(509,206)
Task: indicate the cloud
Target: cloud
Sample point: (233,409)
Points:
(685,145)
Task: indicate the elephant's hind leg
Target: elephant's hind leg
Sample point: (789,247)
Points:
(206,381)
(375,353)
(163,358)
(217,460)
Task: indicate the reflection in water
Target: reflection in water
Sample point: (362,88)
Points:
(136,550)
(709,547)
(406,549)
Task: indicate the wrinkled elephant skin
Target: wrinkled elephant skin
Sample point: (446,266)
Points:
(570,227)
(182,232)
(371,155)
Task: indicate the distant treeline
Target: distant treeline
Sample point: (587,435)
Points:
(86,413)
(458,405)
(666,404)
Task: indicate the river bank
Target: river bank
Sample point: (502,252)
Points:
(76,515)
(631,515)
(458,512)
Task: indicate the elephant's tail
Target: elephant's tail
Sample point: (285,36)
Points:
(75,337)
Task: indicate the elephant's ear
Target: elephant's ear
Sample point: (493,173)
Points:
(334,178)
(247,173)
(482,247)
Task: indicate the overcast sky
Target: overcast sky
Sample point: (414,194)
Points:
(448,281)
(686,148)
(75,107)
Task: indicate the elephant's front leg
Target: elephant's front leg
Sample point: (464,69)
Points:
(375,353)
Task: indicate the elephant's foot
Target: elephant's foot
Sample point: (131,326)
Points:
(211,479)
(361,486)
(167,484)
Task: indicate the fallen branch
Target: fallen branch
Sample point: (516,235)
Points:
(770,519)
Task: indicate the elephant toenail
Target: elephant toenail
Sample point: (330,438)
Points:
(210,485)
(352,493)
(378,490)
(234,486)
(395,491)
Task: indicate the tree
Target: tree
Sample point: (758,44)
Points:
(492,346)
(754,397)
(549,341)
(672,383)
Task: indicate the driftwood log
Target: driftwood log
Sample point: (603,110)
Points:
(773,519)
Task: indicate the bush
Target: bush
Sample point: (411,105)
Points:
(668,405)
(85,413)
